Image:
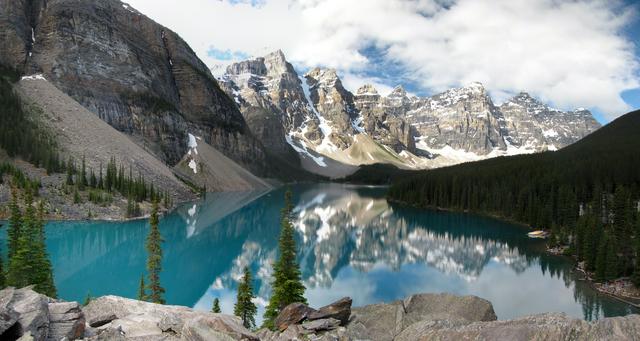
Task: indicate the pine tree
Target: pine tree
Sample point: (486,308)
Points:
(44,271)
(154,258)
(287,284)
(216,306)
(30,263)
(612,264)
(601,260)
(87,299)
(142,294)
(21,267)
(93,181)
(100,181)
(635,278)
(70,171)
(82,182)
(15,224)
(245,308)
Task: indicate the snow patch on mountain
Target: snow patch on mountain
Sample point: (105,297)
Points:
(38,76)
(304,151)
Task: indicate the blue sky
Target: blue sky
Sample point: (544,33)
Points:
(568,53)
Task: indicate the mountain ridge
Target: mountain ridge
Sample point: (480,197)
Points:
(320,118)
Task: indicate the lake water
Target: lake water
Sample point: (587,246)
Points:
(351,243)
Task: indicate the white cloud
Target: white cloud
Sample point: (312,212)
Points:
(353,81)
(571,53)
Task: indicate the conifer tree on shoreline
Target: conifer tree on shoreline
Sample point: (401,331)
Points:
(29,263)
(216,306)
(245,308)
(287,284)
(154,258)
(15,224)
(142,292)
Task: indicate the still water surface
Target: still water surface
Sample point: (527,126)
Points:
(351,243)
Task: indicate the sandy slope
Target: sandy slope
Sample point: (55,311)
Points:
(80,132)
(216,171)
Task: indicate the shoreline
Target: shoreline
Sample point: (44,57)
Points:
(596,286)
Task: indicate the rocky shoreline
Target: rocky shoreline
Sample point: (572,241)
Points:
(620,289)
(27,315)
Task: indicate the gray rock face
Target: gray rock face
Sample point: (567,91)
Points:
(219,327)
(33,310)
(381,117)
(386,321)
(322,324)
(316,113)
(294,313)
(33,316)
(138,76)
(538,327)
(101,320)
(143,320)
(339,310)
(66,320)
(464,119)
(320,117)
(269,94)
(8,316)
(418,317)
(532,123)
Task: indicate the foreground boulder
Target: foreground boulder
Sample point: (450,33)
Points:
(339,310)
(297,313)
(27,315)
(143,320)
(33,316)
(294,313)
(549,326)
(386,321)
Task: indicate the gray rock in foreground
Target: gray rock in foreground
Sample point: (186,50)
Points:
(33,316)
(549,326)
(149,321)
(27,315)
(386,321)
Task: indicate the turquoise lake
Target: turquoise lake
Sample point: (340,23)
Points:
(351,243)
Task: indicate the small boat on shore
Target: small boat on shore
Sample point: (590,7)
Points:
(538,234)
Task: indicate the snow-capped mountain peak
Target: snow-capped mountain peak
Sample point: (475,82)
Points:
(330,127)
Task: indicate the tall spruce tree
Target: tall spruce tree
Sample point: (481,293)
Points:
(635,278)
(154,258)
(82,182)
(44,271)
(601,260)
(245,308)
(30,263)
(15,224)
(287,284)
(216,306)
(142,293)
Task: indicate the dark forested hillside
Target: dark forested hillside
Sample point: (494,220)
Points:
(586,194)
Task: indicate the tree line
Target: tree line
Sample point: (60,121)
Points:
(28,261)
(111,180)
(20,133)
(586,194)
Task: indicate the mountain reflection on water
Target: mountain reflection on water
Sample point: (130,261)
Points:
(351,243)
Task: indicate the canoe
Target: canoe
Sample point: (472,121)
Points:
(537,234)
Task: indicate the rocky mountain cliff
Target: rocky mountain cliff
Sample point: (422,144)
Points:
(328,125)
(135,74)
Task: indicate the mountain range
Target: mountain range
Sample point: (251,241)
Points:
(261,115)
(334,130)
